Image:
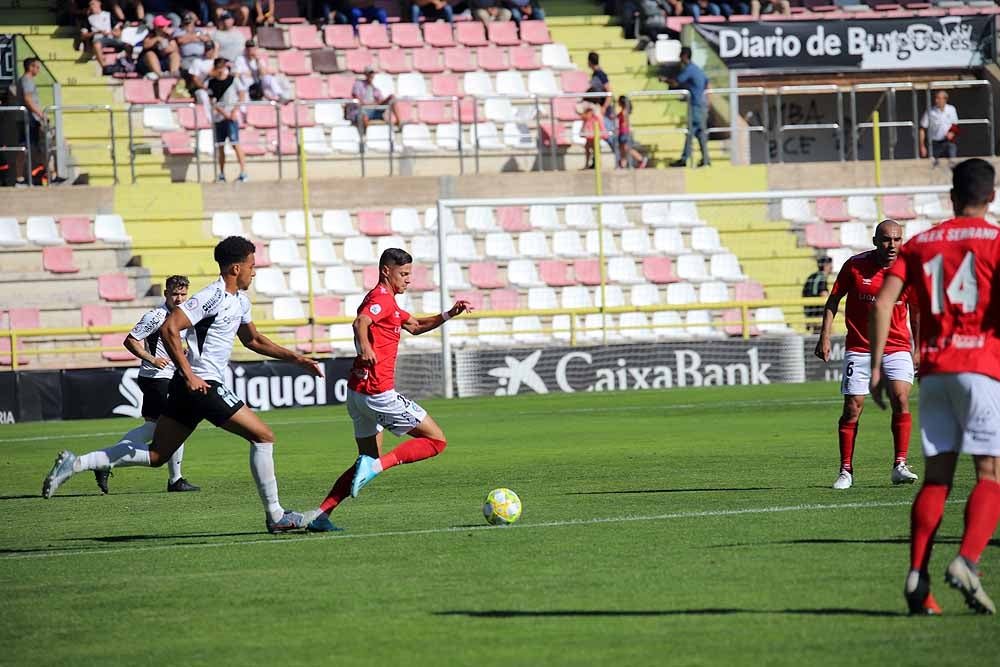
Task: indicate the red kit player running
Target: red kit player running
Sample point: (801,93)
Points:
(952,271)
(860,280)
(372,400)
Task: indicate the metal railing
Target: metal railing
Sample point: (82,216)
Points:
(734,101)
(988,120)
(58,110)
(837,127)
(26,146)
(890,91)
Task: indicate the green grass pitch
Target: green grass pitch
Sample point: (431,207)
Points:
(686,527)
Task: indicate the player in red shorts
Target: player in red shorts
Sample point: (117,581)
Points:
(372,400)
(860,280)
(952,271)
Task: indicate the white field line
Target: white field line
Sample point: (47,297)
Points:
(298,538)
(504,415)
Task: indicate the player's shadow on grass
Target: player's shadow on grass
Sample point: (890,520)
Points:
(78,495)
(708,611)
(697,490)
(117,539)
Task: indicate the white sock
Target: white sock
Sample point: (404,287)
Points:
(262,469)
(131,450)
(312,515)
(174,464)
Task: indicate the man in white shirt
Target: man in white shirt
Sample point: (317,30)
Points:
(940,125)
(101,32)
(198,74)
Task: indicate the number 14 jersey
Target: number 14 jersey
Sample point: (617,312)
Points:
(951,269)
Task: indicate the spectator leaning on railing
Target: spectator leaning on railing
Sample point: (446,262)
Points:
(940,124)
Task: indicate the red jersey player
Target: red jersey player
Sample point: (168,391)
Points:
(952,271)
(860,280)
(372,400)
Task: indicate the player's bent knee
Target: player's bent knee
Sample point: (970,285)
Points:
(438,445)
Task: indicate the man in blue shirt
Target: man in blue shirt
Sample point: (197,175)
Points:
(692,78)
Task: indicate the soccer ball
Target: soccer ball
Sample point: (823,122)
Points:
(501,507)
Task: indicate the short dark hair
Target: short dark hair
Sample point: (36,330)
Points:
(219,62)
(28,62)
(686,51)
(249,44)
(972,183)
(394,257)
(823,261)
(176,282)
(593,58)
(233,250)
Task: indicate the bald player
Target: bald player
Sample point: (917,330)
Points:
(860,280)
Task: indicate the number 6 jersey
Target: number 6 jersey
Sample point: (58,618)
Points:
(951,269)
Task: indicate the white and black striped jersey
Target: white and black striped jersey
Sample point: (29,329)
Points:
(215,316)
(147,329)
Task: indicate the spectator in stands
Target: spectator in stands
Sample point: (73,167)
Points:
(432,10)
(239,10)
(730,7)
(939,124)
(127,11)
(653,16)
(369,11)
(699,8)
(758,7)
(191,40)
(168,8)
(816,285)
(159,51)
(626,145)
(27,96)
(100,33)
(263,13)
(599,83)
(202,8)
(525,10)
(365,91)
(488,11)
(693,79)
(227,93)
(262,82)
(230,42)
(197,74)
(590,114)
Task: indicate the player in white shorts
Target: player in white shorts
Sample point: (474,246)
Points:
(860,280)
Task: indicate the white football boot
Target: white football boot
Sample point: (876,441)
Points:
(845,480)
(901,474)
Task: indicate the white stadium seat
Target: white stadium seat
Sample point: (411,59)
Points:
(705,240)
(556,56)
(340,280)
(614,216)
(542,298)
(726,266)
(691,268)
(681,294)
(635,326)
(668,324)
(10,233)
(295,225)
(576,296)
(613,293)
(345,139)
(405,221)
(798,211)
(527,330)
(417,138)
(685,214)
(480,219)
(567,243)
(110,228)
(288,308)
(636,242)
(461,247)
(500,245)
(623,270)
(226,223)
(593,243)
(855,235)
(270,282)
(523,273)
(699,323)
(534,245)
(42,230)
(494,331)
(644,295)
(337,222)
(543,83)
(330,114)
(543,216)
(656,214)
(285,252)
(383,243)
(298,281)
(431,219)
(267,225)
(322,252)
(424,248)
(771,320)
(669,241)
(358,250)
(580,216)
(862,208)
(713,292)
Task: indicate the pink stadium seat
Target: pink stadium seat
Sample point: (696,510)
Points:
(524,58)
(485,275)
(434,112)
(469,111)
(503,33)
(659,270)
(328,306)
(832,209)
(535,33)
(962,11)
(193,119)
(560,132)
(340,37)
(406,35)
(119,353)
(445,85)
(374,36)
(139,91)
(459,59)
(564,108)
(574,81)
(296,116)
(305,37)
(898,207)
(359,59)
(245,31)
(708,18)
(5,359)
(491,59)
(374,223)
(115,287)
(369,277)
(511,219)
(748,291)
(438,35)
(588,271)
(405,111)
(261,116)
(471,33)
(822,235)
(164,86)
(177,143)
(340,86)
(427,61)
(476,299)
(261,257)
(288,142)
(252,142)
(555,273)
(420,279)
(309,88)
(303,336)
(294,63)
(393,61)
(676,23)
(76,230)
(95,316)
(733,321)
(24,318)
(504,299)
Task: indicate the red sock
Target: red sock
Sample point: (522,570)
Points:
(982,512)
(341,489)
(411,451)
(848,433)
(901,425)
(925,517)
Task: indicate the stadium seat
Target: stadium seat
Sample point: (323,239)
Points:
(576,296)
(294,115)
(726,266)
(588,272)
(310,88)
(505,299)
(383,243)
(119,353)
(95,316)
(556,56)
(270,282)
(340,37)
(503,33)
(685,214)
(42,230)
(705,240)
(337,223)
(380,139)
(713,292)
(298,281)
(500,245)
(614,216)
(434,112)
(58,259)
(480,219)
(411,84)
(564,109)
(691,267)
(855,235)
(928,205)
(159,119)
(519,136)
(511,84)
(431,219)
(314,141)
(555,273)
(345,139)
(271,38)
(470,33)
(325,61)
(493,330)
(328,306)
(914,227)
(10,233)
(832,209)
(454,279)
(177,143)
(115,287)
(485,275)
(635,326)
(374,36)
(446,136)
(295,225)
(322,252)
(284,142)
(342,337)
(486,137)
(110,228)
(330,114)
(748,291)
(359,60)
(417,138)
(512,219)
(405,221)
(821,235)
(594,240)
(340,280)
(430,302)
(294,63)
(288,308)
(358,250)
(659,270)
(668,324)
(340,86)
(862,208)
(596,327)
(567,243)
(614,294)
(445,85)
(139,91)
(478,84)
(262,116)
(580,216)
(699,323)
(459,61)
(73,230)
(373,223)
(839,256)
(771,320)
(574,81)
(427,61)
(635,242)
(543,216)
(284,252)
(193,119)
(394,61)
(305,334)
(424,248)
(798,211)
(644,295)
(524,58)
(898,207)
(732,319)
(622,270)
(542,83)
(406,35)
(462,248)
(522,273)
(535,33)
(491,59)
(542,298)
(527,329)
(438,35)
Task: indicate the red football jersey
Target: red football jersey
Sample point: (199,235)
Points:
(861,279)
(950,270)
(387,321)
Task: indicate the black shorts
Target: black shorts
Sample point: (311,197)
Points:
(188,408)
(154,396)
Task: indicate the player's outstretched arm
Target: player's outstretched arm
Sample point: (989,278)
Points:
(138,350)
(261,344)
(878,332)
(419,325)
(829,313)
(170,334)
(362,340)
